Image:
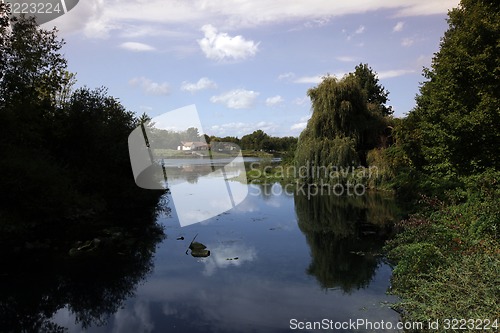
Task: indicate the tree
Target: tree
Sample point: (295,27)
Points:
(144,119)
(376,94)
(342,128)
(192,134)
(257,140)
(33,69)
(455,125)
(31,74)
(4,26)
(64,153)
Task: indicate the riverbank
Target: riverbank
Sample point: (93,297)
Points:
(446,253)
(268,171)
(447,256)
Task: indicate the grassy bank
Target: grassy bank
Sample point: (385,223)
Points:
(172,153)
(448,256)
(256,153)
(266,172)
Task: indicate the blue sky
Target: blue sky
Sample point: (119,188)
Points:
(247,64)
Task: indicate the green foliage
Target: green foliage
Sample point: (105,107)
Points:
(33,68)
(418,258)
(377,95)
(259,140)
(476,209)
(192,134)
(339,109)
(448,256)
(340,231)
(348,118)
(379,158)
(315,154)
(468,287)
(169,139)
(96,125)
(454,128)
(64,153)
(231,139)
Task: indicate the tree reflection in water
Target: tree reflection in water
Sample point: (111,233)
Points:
(93,286)
(345,235)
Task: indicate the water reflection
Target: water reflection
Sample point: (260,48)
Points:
(202,190)
(35,287)
(345,235)
(227,255)
(272,257)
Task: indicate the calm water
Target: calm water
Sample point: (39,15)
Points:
(275,257)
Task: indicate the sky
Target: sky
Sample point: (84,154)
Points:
(247,64)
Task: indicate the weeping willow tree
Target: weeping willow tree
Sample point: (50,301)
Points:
(342,128)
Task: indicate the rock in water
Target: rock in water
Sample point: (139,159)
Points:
(194,246)
(200,253)
(199,250)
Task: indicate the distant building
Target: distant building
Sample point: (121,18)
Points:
(192,145)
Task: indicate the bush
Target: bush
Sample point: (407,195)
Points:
(448,256)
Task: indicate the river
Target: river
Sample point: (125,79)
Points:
(280,260)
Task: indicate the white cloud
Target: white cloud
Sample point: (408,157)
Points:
(394,73)
(109,16)
(315,23)
(398,27)
(407,42)
(360,30)
(229,126)
(286,76)
(240,128)
(152,30)
(145,108)
(99,18)
(99,27)
(301,125)
(220,46)
(236,99)
(224,256)
(300,101)
(317,78)
(274,101)
(346,59)
(150,87)
(424,61)
(309,79)
(430,7)
(381,75)
(202,84)
(136,319)
(265,126)
(137,47)
(78,18)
